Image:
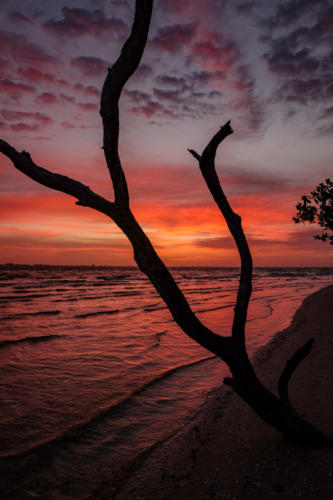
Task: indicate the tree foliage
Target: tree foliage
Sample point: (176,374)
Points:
(317,207)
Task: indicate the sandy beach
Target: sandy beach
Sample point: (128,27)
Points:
(227,452)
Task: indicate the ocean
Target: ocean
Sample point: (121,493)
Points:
(94,372)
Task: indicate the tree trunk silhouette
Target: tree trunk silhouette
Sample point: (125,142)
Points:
(275,411)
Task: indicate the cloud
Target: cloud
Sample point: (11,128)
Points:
(88,106)
(24,127)
(285,60)
(12,115)
(173,81)
(136,96)
(25,121)
(143,71)
(291,240)
(87,89)
(35,75)
(246,8)
(67,99)
(46,98)
(287,12)
(71,126)
(174,37)
(15,89)
(16,17)
(299,38)
(19,49)
(77,22)
(89,65)
(151,108)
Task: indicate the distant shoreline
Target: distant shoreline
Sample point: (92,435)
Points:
(12,265)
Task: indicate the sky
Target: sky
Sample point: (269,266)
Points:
(264,65)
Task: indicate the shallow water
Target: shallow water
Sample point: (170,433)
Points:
(94,371)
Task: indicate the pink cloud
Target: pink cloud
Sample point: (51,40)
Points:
(22,51)
(76,22)
(24,127)
(88,106)
(174,37)
(87,89)
(15,89)
(33,74)
(91,66)
(12,115)
(46,98)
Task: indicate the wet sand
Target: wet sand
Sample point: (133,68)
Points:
(226,452)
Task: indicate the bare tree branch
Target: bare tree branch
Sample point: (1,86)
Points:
(85,196)
(232,349)
(118,75)
(233,220)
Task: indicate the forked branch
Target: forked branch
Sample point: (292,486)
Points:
(232,349)
(233,220)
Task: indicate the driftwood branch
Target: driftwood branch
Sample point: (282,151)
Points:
(290,368)
(232,349)
(144,253)
(233,220)
(85,196)
(117,76)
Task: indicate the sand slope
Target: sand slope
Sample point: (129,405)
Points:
(227,453)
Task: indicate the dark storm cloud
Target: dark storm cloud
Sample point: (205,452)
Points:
(174,37)
(89,65)
(76,22)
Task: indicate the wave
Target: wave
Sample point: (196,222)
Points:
(126,294)
(41,338)
(44,448)
(151,309)
(37,313)
(216,308)
(158,338)
(97,313)
(26,297)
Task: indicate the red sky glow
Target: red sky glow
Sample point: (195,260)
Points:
(266,65)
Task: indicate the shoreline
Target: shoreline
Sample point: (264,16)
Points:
(227,452)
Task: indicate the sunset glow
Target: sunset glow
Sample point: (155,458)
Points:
(246,61)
